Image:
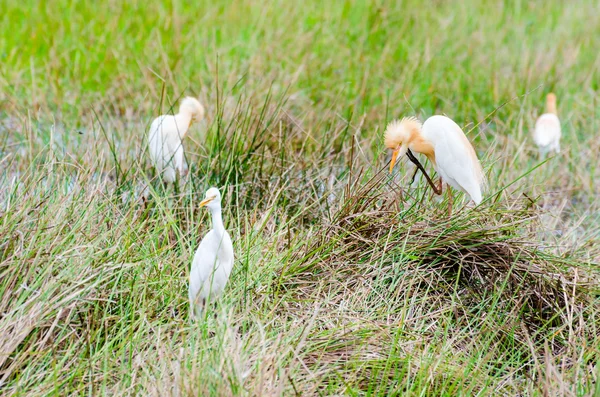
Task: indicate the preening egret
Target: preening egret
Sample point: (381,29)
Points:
(547,128)
(213,260)
(445,145)
(166,136)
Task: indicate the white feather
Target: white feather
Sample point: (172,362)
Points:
(166,147)
(165,139)
(456,161)
(547,133)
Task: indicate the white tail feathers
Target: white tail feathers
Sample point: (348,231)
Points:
(475,194)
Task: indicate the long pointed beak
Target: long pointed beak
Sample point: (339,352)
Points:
(206,201)
(394,158)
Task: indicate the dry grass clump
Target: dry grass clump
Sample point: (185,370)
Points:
(419,269)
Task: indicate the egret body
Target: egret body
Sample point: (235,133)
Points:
(547,128)
(165,139)
(445,145)
(213,260)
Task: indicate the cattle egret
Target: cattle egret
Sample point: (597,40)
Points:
(213,260)
(166,136)
(445,145)
(547,128)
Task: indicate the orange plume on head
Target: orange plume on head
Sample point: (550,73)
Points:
(401,131)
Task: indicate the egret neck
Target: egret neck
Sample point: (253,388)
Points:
(217,221)
(551,104)
(183,122)
(422,145)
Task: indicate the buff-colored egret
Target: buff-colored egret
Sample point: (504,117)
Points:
(213,260)
(165,139)
(547,128)
(445,145)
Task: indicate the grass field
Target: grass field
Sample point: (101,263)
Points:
(347,280)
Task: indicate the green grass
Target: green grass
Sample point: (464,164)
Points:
(346,280)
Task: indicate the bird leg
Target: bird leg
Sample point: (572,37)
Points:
(420,167)
(413,176)
(450,201)
(197,308)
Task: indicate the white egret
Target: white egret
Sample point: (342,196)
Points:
(547,128)
(213,260)
(445,145)
(166,135)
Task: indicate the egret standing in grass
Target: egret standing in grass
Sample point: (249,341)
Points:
(445,145)
(166,136)
(213,260)
(547,128)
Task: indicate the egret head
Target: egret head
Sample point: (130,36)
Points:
(212,199)
(399,134)
(192,107)
(551,103)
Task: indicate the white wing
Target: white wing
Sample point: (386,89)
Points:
(166,150)
(456,160)
(155,145)
(176,159)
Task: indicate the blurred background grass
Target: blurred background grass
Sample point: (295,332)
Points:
(467,56)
